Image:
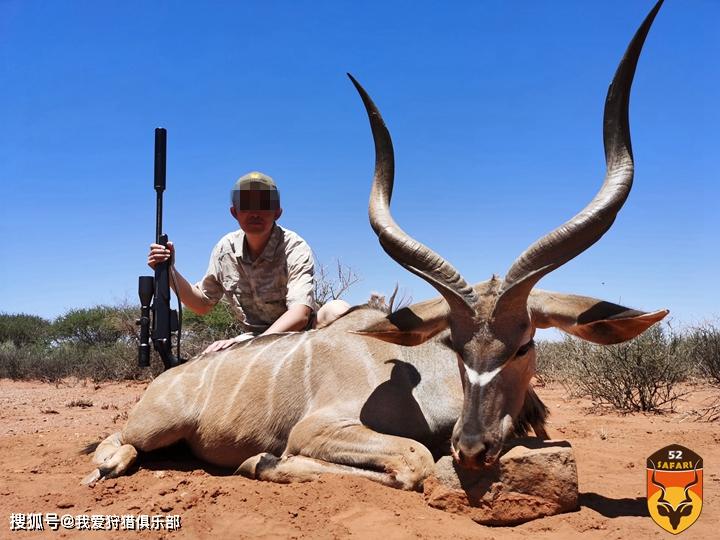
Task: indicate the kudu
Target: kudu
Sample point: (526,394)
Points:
(380,396)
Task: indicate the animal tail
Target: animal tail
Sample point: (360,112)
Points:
(89,448)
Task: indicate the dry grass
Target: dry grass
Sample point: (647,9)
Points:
(82,403)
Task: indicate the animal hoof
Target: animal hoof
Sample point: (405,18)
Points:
(92,477)
(253,466)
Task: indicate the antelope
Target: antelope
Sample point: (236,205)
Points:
(382,396)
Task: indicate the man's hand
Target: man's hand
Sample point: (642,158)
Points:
(190,295)
(159,253)
(225,343)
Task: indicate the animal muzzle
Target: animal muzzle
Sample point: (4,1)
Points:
(474,452)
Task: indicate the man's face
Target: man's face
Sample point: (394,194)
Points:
(256,222)
(256,211)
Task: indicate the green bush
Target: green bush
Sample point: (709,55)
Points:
(198,331)
(220,321)
(22,329)
(98,325)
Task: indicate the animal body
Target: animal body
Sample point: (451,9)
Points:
(380,396)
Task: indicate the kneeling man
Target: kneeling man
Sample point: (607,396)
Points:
(264,271)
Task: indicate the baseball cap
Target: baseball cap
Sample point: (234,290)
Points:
(255,191)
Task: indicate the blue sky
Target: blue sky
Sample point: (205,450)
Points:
(495,108)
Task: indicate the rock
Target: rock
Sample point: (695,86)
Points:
(532,479)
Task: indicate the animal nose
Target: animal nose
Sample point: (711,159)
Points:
(471,454)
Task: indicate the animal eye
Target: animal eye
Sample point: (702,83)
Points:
(522,351)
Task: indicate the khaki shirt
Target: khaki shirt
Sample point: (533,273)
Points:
(260,291)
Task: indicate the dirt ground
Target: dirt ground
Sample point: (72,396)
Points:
(42,427)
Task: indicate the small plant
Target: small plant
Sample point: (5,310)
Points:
(120,417)
(329,286)
(82,403)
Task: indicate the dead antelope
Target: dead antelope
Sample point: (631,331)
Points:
(380,396)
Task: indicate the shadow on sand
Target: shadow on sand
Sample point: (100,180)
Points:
(177,457)
(613,508)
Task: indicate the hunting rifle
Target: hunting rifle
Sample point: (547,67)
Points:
(165,323)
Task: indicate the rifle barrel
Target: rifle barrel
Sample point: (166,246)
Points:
(159,180)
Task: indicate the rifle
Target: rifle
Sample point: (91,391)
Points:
(165,321)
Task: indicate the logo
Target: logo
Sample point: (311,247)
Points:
(674,487)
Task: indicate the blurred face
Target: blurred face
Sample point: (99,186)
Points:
(256,222)
(255,213)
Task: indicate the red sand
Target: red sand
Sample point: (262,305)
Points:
(40,472)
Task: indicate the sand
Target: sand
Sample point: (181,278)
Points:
(40,472)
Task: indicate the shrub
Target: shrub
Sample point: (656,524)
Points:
(22,329)
(14,361)
(703,349)
(555,360)
(220,321)
(639,375)
(198,331)
(90,326)
(97,362)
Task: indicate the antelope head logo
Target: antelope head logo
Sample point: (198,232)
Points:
(684,503)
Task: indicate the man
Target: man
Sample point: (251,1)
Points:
(264,271)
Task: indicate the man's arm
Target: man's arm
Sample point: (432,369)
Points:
(190,295)
(294,319)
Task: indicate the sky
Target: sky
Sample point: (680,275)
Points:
(495,108)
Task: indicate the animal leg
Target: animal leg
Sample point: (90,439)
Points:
(143,432)
(317,445)
(297,469)
(107,448)
(112,457)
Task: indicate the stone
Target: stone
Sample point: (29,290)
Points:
(532,479)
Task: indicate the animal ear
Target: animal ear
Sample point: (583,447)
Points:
(412,325)
(591,319)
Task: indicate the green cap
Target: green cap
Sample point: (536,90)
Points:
(267,196)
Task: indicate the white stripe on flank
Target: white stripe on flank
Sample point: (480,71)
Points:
(481,379)
(209,390)
(307,377)
(198,392)
(248,368)
(278,365)
(276,370)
